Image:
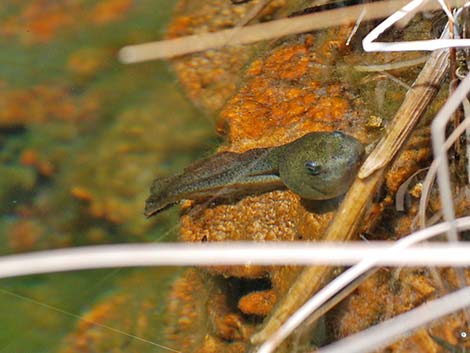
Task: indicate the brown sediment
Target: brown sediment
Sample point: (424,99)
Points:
(257,303)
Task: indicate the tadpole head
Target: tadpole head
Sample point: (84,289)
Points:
(320,165)
(159,199)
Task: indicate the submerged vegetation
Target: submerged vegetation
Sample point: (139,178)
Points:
(81,138)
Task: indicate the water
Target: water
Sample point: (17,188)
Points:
(81,138)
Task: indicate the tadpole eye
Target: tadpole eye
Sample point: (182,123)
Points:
(313,168)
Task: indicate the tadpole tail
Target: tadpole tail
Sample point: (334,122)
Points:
(223,175)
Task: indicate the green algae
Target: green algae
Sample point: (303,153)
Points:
(102,127)
(14,183)
(39,310)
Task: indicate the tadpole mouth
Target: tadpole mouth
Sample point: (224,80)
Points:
(319,191)
(152,207)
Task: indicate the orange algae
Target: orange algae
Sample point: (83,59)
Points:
(31,158)
(276,215)
(24,235)
(225,323)
(88,61)
(398,291)
(211,77)
(418,152)
(450,330)
(280,100)
(43,103)
(385,295)
(81,193)
(360,313)
(45,125)
(41,21)
(110,10)
(257,303)
(186,306)
(125,320)
(219,330)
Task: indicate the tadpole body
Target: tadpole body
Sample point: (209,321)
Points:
(317,166)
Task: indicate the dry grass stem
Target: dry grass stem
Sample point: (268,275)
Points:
(263,31)
(396,80)
(438,132)
(356,26)
(392,66)
(431,174)
(370,44)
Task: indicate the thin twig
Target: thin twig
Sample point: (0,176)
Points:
(396,80)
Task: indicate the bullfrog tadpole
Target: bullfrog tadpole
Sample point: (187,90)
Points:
(317,166)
